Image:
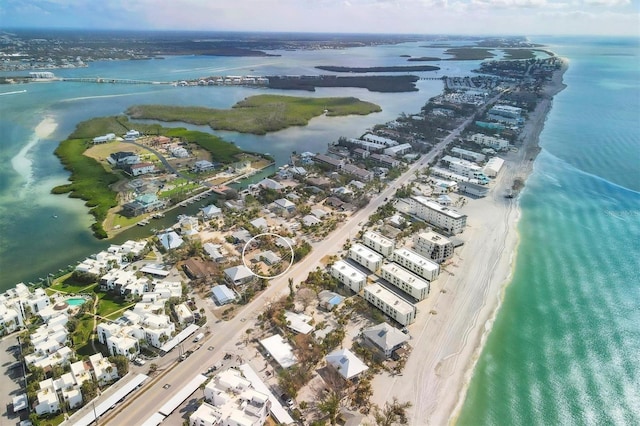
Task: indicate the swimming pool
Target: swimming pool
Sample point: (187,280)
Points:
(75,301)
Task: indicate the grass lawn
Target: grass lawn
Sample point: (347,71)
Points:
(110,303)
(52,421)
(68,285)
(82,333)
(257,114)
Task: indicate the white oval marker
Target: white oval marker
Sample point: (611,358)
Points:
(244,249)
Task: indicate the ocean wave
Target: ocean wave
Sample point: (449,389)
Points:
(564,164)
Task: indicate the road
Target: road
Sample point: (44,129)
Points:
(146,402)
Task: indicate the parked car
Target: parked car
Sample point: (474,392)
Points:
(139,361)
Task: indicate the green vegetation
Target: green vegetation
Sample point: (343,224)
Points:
(89,182)
(257,114)
(110,303)
(469,54)
(519,54)
(221,150)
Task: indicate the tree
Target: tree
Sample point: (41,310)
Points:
(330,406)
(306,297)
(89,390)
(391,414)
(122,364)
(247,336)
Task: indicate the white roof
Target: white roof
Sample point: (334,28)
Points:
(390,299)
(405,276)
(280,350)
(417,259)
(278,411)
(435,206)
(298,322)
(347,364)
(170,240)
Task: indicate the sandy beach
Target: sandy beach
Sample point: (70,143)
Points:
(454,321)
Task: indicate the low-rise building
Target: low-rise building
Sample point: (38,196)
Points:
(346,363)
(384,160)
(397,150)
(141,169)
(416,263)
(379,140)
(392,305)
(379,243)
(473,189)
(405,280)
(439,216)
(465,168)
(493,166)
(239,275)
(331,162)
(365,257)
(434,246)
(231,400)
(384,338)
(468,155)
(490,141)
(357,172)
(348,275)
(103,370)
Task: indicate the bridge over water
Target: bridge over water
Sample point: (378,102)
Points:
(111,80)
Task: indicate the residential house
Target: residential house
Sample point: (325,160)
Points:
(346,363)
(384,338)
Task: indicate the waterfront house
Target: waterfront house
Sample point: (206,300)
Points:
(384,338)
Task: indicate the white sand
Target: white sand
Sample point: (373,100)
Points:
(454,321)
(21,163)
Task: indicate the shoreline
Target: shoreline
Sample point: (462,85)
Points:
(458,316)
(531,145)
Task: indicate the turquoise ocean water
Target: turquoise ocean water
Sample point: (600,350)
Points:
(565,347)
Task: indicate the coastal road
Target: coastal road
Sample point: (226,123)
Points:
(144,403)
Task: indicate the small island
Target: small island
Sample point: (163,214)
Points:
(413,68)
(424,59)
(257,114)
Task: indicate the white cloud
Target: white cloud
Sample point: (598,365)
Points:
(608,3)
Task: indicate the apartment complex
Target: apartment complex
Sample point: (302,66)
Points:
(391,304)
(365,257)
(490,141)
(379,243)
(405,280)
(416,263)
(433,246)
(348,275)
(439,216)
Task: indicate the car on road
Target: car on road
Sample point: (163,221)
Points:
(289,402)
(139,361)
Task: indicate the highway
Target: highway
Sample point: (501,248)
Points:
(140,406)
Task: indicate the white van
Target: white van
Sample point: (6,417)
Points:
(199,337)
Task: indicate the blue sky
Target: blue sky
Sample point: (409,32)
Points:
(526,17)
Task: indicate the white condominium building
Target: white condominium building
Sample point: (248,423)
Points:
(490,141)
(434,246)
(465,168)
(405,280)
(439,216)
(381,244)
(348,275)
(365,257)
(420,265)
(468,155)
(391,304)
